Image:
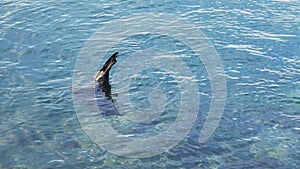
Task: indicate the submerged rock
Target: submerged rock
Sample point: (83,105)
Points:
(22,135)
(257,163)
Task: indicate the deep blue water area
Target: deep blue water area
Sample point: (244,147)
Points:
(258,43)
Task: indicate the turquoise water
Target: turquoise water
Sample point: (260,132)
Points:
(257,41)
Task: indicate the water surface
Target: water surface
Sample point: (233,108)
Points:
(257,41)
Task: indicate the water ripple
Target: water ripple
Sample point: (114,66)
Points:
(258,42)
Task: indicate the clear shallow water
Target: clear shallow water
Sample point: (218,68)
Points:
(257,41)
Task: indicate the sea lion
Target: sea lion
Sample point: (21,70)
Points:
(102,76)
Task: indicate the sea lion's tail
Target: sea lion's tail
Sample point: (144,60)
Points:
(102,75)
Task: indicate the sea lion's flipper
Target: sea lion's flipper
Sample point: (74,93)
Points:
(102,75)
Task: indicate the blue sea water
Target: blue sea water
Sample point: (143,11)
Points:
(257,41)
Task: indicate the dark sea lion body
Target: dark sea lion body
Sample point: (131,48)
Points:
(103,88)
(102,76)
